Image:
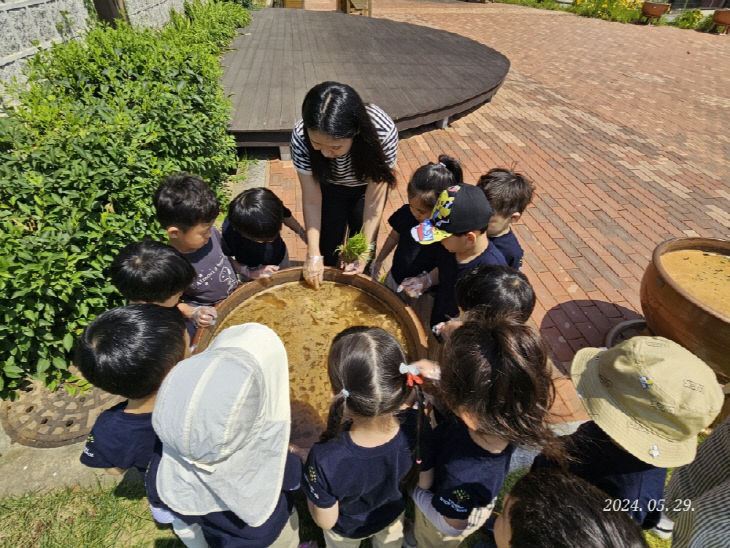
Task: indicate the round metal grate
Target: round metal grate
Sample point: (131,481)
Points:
(40,418)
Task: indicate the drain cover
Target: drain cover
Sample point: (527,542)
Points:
(40,418)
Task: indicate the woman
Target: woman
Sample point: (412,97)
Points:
(344,152)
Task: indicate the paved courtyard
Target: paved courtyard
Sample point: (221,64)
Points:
(623,129)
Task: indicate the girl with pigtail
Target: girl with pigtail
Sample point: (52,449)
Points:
(496,381)
(352,477)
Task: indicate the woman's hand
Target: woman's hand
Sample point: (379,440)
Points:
(313,270)
(355,267)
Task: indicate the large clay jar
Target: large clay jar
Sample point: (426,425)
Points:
(721,17)
(673,313)
(654,9)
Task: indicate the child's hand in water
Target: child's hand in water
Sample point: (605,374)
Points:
(204,316)
(415,286)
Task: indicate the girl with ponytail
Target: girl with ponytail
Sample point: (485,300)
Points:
(352,477)
(496,381)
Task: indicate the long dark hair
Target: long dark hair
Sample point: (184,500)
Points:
(337,110)
(552,508)
(496,369)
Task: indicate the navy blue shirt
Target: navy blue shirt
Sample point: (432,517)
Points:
(254,254)
(510,249)
(226,528)
(601,462)
(120,440)
(364,480)
(466,475)
(410,258)
(444,306)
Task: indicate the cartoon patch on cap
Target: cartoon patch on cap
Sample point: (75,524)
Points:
(653,451)
(442,209)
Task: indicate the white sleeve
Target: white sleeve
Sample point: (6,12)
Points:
(422,499)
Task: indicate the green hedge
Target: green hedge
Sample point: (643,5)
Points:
(100,121)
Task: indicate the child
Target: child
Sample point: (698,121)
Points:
(223,468)
(252,232)
(552,508)
(496,381)
(128,351)
(490,289)
(352,477)
(425,186)
(648,398)
(151,272)
(459,221)
(187,207)
(508,193)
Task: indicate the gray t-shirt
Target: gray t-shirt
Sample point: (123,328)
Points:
(215,277)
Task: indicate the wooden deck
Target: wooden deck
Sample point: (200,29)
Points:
(418,75)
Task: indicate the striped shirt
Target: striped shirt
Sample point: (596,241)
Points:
(704,485)
(342,171)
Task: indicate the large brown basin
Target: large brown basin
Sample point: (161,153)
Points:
(307,330)
(673,312)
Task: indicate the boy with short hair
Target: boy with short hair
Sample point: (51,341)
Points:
(151,272)
(224,467)
(252,232)
(459,221)
(187,208)
(128,351)
(648,399)
(509,193)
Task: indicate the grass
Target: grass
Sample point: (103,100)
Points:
(119,516)
(75,516)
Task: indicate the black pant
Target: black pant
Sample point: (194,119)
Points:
(342,209)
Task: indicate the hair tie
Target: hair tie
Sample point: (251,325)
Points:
(345,393)
(443,164)
(411,372)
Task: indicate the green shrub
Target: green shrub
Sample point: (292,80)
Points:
(623,11)
(98,124)
(689,19)
(705,24)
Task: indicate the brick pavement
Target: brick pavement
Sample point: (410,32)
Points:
(623,129)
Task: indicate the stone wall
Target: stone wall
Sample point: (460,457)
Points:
(151,13)
(25,22)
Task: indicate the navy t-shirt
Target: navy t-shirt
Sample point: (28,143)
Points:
(510,249)
(215,277)
(120,440)
(364,480)
(444,306)
(410,258)
(466,476)
(226,528)
(601,462)
(254,254)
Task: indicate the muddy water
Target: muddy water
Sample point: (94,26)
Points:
(704,275)
(306,321)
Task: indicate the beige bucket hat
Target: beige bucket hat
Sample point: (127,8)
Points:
(650,395)
(223,418)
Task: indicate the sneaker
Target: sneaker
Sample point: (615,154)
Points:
(664,528)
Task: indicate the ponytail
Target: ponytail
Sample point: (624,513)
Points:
(430,180)
(496,368)
(335,417)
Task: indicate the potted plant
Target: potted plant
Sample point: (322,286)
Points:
(356,247)
(721,18)
(654,10)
